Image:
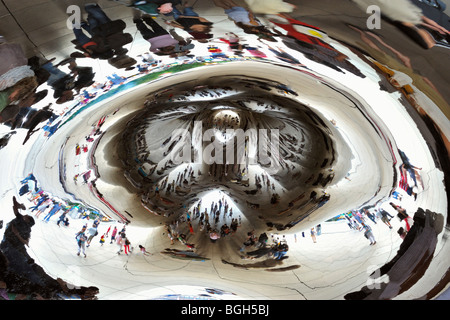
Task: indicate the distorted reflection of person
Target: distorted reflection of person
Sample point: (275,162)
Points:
(63,83)
(21,274)
(411,19)
(23,109)
(106,38)
(188,20)
(234,42)
(157,6)
(17,80)
(368,234)
(238,48)
(311,41)
(35,118)
(402,215)
(281,54)
(15,115)
(161,42)
(245,19)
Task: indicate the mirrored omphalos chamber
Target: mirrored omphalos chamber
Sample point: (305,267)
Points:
(224,150)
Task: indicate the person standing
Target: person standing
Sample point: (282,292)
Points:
(102,239)
(81,241)
(43,207)
(83,229)
(119,241)
(319,229)
(357,216)
(369,234)
(96,223)
(126,245)
(385,218)
(191,229)
(113,235)
(370,215)
(41,200)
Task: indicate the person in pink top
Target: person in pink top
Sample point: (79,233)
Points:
(113,235)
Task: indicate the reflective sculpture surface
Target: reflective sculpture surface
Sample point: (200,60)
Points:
(224,149)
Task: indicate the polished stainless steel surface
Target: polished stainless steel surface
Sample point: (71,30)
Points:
(198,127)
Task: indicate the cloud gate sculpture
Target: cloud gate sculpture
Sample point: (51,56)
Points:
(224,149)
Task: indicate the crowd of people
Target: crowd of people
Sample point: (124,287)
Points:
(209,220)
(216,220)
(410,179)
(157,21)
(100,37)
(262,246)
(105,39)
(42,202)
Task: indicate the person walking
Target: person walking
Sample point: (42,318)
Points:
(385,218)
(119,241)
(81,241)
(102,239)
(83,229)
(313,235)
(53,211)
(126,245)
(369,234)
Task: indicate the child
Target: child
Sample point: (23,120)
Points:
(144,252)
(102,239)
